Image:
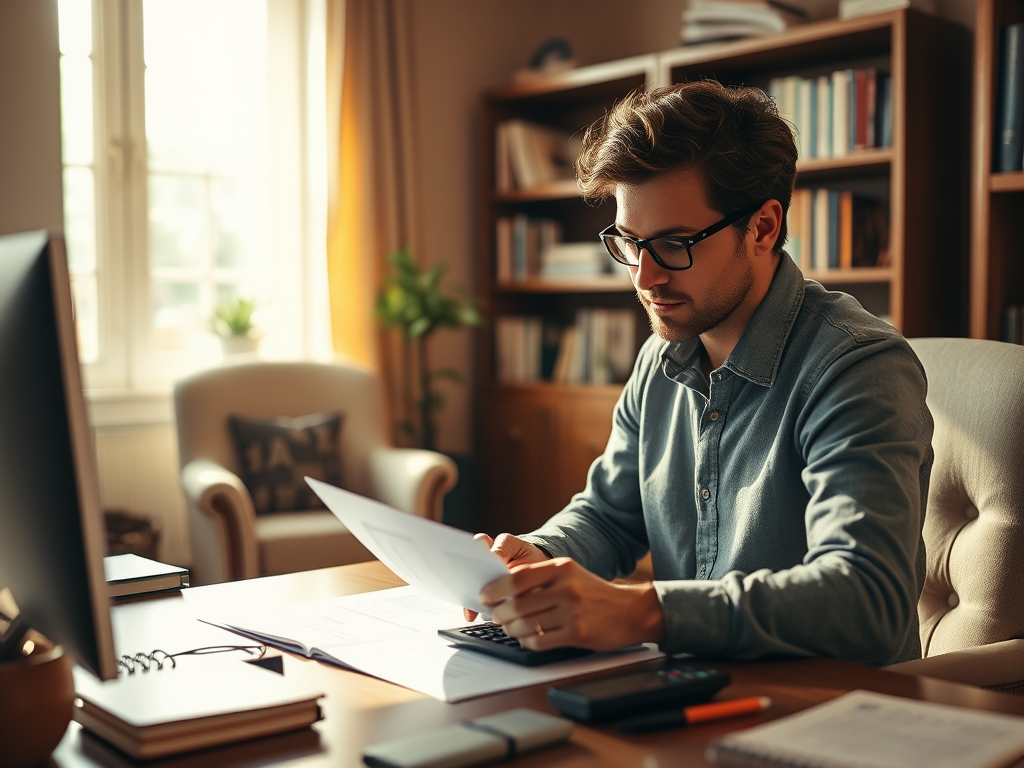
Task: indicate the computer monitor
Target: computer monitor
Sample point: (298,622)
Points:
(51,529)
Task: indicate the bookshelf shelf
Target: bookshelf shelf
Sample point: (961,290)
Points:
(1009,181)
(608,284)
(852,276)
(537,439)
(864,160)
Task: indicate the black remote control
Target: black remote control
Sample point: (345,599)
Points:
(491,638)
(612,698)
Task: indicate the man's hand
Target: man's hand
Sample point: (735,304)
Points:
(512,551)
(555,603)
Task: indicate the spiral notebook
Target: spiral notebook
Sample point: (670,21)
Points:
(862,729)
(163,711)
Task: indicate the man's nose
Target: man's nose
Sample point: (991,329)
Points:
(648,273)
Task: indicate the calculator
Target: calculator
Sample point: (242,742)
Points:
(491,638)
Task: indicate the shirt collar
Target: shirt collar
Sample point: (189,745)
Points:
(758,353)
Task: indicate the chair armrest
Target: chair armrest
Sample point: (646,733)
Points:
(412,480)
(997,665)
(222,524)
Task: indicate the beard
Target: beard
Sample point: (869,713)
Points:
(709,310)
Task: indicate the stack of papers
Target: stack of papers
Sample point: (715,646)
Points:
(392,634)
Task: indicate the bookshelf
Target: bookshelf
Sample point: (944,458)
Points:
(997,199)
(538,438)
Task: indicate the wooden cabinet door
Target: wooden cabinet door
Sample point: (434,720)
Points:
(583,428)
(515,435)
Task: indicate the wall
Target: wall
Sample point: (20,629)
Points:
(30,170)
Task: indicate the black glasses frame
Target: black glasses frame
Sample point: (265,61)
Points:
(687,241)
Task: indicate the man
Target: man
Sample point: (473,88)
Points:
(772,446)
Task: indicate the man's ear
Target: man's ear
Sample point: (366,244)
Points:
(766,224)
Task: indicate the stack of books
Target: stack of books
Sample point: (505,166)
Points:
(706,21)
(833,229)
(838,114)
(570,260)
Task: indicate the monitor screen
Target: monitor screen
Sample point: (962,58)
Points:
(51,528)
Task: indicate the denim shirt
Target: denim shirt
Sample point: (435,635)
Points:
(782,501)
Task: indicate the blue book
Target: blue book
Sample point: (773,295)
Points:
(885,111)
(1010,136)
(812,139)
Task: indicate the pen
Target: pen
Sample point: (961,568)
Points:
(698,713)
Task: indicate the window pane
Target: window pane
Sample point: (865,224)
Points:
(74,18)
(177,314)
(87,326)
(76,109)
(80,219)
(177,222)
(239,221)
(206,91)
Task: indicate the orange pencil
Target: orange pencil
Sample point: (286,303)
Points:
(698,713)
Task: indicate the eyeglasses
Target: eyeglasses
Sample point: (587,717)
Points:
(671,251)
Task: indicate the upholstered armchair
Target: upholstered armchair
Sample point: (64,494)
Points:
(229,539)
(972,606)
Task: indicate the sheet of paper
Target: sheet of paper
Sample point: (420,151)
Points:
(392,634)
(863,729)
(437,559)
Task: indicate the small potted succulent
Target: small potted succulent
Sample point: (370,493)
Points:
(232,323)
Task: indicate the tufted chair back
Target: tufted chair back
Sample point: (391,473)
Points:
(974,523)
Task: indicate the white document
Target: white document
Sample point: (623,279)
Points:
(392,634)
(862,729)
(437,559)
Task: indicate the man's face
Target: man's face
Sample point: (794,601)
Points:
(688,303)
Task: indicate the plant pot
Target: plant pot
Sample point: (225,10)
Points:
(239,345)
(37,698)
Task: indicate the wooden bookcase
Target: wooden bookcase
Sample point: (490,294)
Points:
(536,441)
(997,199)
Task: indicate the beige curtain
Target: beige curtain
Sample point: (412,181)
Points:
(371,209)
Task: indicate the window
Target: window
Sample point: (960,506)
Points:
(185,150)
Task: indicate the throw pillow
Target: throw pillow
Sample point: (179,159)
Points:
(276,454)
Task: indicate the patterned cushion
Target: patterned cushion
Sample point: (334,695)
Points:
(276,454)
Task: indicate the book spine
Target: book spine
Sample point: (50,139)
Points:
(824,116)
(840,114)
(845,229)
(833,229)
(861,134)
(1009,142)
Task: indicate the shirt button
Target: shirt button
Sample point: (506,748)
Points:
(703,570)
(705,494)
(713,415)
(717,377)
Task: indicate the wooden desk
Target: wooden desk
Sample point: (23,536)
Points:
(361,710)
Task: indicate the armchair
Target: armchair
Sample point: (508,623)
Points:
(972,607)
(229,540)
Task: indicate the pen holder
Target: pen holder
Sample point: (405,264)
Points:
(37,697)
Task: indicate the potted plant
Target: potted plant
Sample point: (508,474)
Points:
(414,302)
(232,323)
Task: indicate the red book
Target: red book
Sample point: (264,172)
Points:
(861,87)
(871,106)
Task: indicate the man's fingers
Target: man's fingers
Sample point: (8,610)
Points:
(521,579)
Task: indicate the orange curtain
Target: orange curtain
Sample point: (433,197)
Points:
(371,208)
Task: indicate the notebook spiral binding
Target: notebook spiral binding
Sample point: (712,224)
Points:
(143,662)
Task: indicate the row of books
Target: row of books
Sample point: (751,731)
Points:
(837,229)
(1013,324)
(598,348)
(528,247)
(529,154)
(835,115)
(1009,145)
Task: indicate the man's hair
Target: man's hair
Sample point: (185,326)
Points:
(733,136)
